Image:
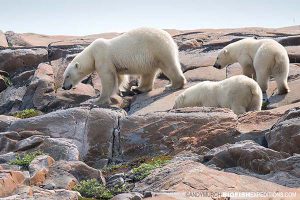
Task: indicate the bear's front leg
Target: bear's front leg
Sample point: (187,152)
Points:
(109,87)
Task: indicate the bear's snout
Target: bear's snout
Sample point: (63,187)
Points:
(67,88)
(218,66)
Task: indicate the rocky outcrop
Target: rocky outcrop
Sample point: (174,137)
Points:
(166,132)
(284,136)
(9,181)
(12,61)
(186,176)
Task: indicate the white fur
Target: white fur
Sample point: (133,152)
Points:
(239,93)
(142,51)
(259,59)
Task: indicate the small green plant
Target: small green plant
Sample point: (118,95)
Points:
(265,105)
(25,159)
(93,189)
(145,169)
(27,113)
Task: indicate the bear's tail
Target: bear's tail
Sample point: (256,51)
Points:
(257,97)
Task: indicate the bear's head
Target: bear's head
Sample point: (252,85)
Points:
(223,60)
(72,76)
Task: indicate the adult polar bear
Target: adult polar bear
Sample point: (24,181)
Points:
(239,93)
(260,59)
(142,51)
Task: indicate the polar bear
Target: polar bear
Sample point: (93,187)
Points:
(142,51)
(259,59)
(239,93)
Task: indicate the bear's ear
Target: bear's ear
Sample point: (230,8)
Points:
(76,65)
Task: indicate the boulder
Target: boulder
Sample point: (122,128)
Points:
(9,181)
(246,154)
(65,174)
(91,130)
(37,193)
(167,132)
(3,83)
(191,178)
(284,136)
(11,99)
(12,61)
(38,169)
(128,196)
(5,122)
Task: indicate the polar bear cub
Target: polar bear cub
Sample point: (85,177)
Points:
(259,59)
(239,93)
(143,52)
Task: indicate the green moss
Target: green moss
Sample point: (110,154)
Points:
(265,105)
(25,160)
(27,113)
(145,169)
(93,189)
(113,169)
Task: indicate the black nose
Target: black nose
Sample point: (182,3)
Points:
(217,66)
(67,88)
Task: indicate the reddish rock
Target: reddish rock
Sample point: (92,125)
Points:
(190,177)
(176,130)
(9,181)
(38,169)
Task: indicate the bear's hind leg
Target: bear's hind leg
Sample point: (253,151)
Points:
(109,87)
(282,85)
(146,84)
(173,71)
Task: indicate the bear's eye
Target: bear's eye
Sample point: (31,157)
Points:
(68,76)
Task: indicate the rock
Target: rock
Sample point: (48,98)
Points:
(83,127)
(246,154)
(5,122)
(13,60)
(190,176)
(284,136)
(4,158)
(38,169)
(60,149)
(285,172)
(7,144)
(29,143)
(11,99)
(204,74)
(189,44)
(9,181)
(128,196)
(3,83)
(176,130)
(195,59)
(65,174)
(115,180)
(3,41)
(38,193)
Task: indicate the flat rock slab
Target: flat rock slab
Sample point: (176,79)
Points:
(173,131)
(190,176)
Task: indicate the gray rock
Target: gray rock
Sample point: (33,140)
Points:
(128,196)
(285,134)
(4,158)
(5,122)
(13,60)
(246,154)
